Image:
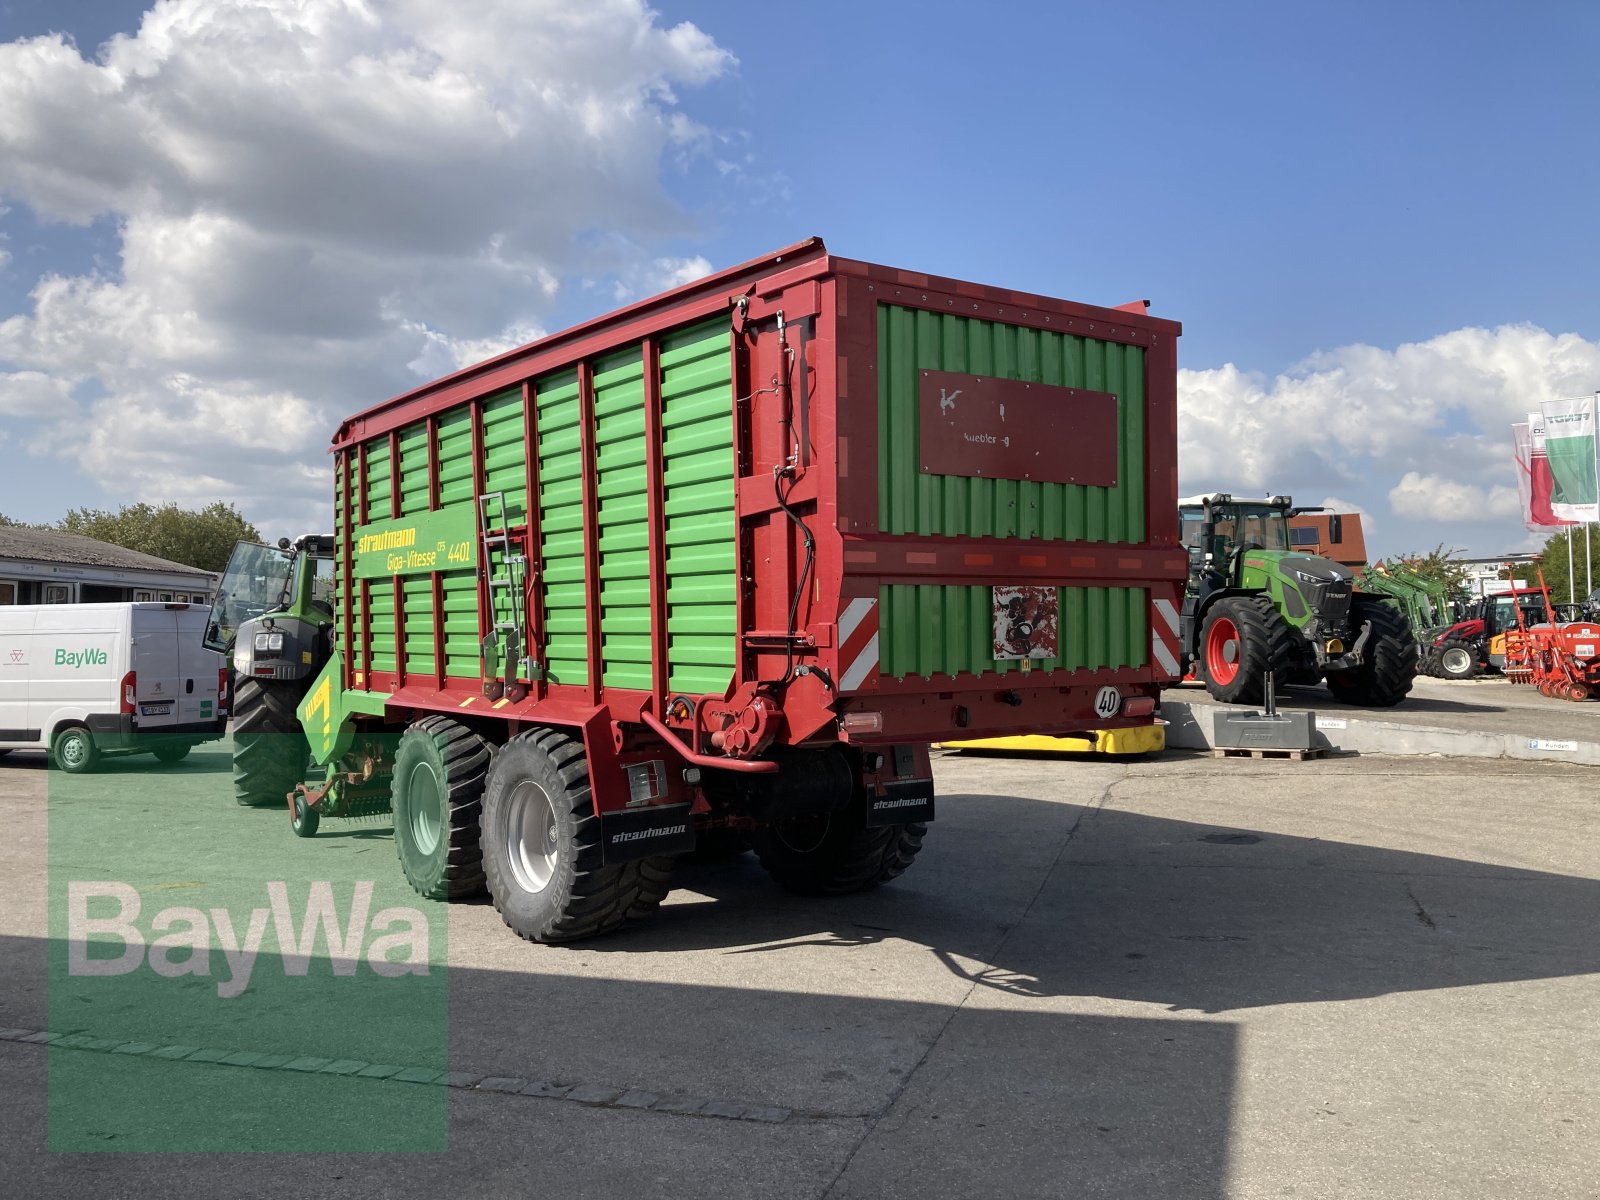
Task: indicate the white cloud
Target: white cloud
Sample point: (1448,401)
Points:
(34,394)
(1336,505)
(321,201)
(1424,426)
(1434,498)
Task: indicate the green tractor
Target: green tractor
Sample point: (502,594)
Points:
(1255,609)
(273,618)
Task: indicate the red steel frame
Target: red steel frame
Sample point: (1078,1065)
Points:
(834,301)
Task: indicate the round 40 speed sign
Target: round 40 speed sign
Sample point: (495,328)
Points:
(1107,702)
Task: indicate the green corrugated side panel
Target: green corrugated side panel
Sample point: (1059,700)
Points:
(505,459)
(418,593)
(377,482)
(338,542)
(505,465)
(460,588)
(413,479)
(561,527)
(911,340)
(937,629)
(380,604)
(698,503)
(380,616)
(621,486)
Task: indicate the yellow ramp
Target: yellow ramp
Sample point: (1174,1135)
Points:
(1143,739)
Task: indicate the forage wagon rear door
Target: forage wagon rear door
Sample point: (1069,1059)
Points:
(1022,504)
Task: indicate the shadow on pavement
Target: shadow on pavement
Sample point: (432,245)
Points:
(1193,917)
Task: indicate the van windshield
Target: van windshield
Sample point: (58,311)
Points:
(256,581)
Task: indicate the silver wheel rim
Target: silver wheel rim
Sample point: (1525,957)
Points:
(531,836)
(422,790)
(73,751)
(1456,660)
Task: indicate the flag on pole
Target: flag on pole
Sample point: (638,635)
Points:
(1533,473)
(1570,445)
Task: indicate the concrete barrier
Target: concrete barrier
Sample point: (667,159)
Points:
(1191,725)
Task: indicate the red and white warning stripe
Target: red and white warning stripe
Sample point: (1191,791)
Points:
(1165,647)
(858,644)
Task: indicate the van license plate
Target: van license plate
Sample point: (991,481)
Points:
(155,710)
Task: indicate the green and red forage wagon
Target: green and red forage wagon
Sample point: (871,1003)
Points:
(723,563)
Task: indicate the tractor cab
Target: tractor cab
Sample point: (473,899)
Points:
(1217,529)
(292,578)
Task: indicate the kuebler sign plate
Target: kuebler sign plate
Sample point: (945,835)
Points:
(988,428)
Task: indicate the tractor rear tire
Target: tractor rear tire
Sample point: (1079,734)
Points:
(542,851)
(1385,678)
(836,853)
(439,771)
(1456,659)
(1245,639)
(270,751)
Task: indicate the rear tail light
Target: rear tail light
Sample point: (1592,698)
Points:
(862,722)
(222,690)
(130,683)
(1138,706)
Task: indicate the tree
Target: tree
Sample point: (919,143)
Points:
(200,538)
(1440,565)
(1563,585)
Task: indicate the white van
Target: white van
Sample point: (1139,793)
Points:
(86,680)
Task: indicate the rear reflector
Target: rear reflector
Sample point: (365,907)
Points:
(1138,706)
(222,690)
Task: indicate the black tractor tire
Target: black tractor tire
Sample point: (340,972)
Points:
(1385,678)
(1456,659)
(836,853)
(172,752)
(542,851)
(270,751)
(1263,644)
(74,751)
(439,772)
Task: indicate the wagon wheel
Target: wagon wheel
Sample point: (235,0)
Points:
(1577,691)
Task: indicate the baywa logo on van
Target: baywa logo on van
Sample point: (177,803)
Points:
(80,658)
(178,941)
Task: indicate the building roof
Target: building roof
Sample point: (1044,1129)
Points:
(50,545)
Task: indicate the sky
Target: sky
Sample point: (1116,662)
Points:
(227,224)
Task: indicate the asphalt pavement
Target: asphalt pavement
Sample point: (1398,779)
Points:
(1169,977)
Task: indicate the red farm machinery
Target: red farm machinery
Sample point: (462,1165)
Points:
(1559,658)
(719,566)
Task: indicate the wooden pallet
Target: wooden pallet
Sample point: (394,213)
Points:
(1296,755)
